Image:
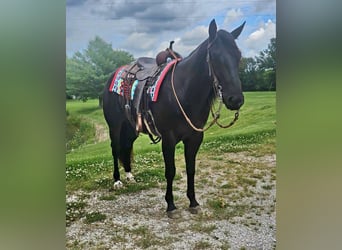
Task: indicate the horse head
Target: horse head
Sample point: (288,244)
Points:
(223,59)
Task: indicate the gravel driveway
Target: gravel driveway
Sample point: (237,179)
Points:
(237,210)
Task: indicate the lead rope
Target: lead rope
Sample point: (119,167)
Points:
(181,108)
(215,115)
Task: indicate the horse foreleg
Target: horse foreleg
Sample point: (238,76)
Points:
(191,147)
(170,172)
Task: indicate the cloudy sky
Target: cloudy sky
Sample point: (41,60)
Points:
(144,27)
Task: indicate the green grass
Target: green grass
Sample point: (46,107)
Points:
(79,131)
(74,211)
(89,109)
(202,227)
(90,167)
(144,237)
(202,245)
(94,217)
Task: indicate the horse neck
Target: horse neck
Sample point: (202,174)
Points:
(197,82)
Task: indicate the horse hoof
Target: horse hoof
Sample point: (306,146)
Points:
(195,210)
(117,185)
(130,177)
(174,214)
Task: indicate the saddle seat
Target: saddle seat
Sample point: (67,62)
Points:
(146,62)
(147,67)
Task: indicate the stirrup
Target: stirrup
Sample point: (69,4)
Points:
(139,127)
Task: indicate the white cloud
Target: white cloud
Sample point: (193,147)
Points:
(259,39)
(231,16)
(195,36)
(144,29)
(265,6)
(139,41)
(190,40)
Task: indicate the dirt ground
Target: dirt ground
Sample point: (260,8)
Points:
(237,193)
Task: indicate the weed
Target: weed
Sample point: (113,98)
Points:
(200,227)
(225,246)
(94,217)
(223,210)
(217,204)
(146,238)
(242,180)
(110,197)
(74,211)
(202,245)
(267,187)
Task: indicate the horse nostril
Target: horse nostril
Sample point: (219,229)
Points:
(236,101)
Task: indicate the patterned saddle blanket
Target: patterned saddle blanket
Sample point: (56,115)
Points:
(139,83)
(125,83)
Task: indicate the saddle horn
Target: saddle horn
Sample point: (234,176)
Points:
(170,46)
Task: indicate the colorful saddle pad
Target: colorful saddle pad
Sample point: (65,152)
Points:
(121,87)
(153,90)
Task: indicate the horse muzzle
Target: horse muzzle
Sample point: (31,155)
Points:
(233,102)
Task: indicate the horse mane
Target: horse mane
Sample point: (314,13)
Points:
(199,47)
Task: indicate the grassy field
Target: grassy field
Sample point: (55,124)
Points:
(235,185)
(90,165)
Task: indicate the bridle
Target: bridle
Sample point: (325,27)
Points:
(218,93)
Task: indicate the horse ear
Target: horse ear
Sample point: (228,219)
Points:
(238,30)
(212,30)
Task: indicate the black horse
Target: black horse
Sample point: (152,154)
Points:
(183,107)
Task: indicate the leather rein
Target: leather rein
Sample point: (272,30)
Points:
(218,93)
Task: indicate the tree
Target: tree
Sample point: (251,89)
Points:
(267,64)
(248,73)
(267,58)
(87,72)
(259,73)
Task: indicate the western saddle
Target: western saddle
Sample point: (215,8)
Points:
(145,70)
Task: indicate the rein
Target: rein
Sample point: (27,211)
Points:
(218,93)
(181,108)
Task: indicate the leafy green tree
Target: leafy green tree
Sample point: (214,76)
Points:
(87,72)
(267,58)
(267,63)
(259,73)
(248,73)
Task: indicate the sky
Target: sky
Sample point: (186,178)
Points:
(145,27)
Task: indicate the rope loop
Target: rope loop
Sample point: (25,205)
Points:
(215,115)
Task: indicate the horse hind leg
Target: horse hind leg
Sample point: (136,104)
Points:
(115,145)
(127,138)
(126,159)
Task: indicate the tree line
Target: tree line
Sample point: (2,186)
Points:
(259,73)
(88,71)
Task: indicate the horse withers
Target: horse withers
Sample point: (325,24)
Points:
(182,108)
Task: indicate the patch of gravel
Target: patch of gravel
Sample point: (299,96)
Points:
(139,221)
